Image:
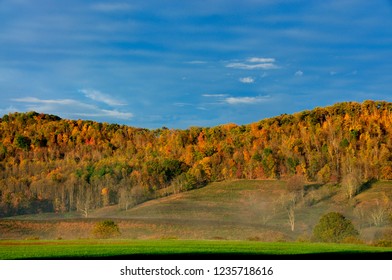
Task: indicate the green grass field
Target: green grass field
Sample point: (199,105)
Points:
(180,249)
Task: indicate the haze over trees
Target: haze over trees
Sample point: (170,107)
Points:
(51,164)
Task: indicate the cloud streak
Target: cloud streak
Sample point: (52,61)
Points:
(34,100)
(70,107)
(299,73)
(254,63)
(197,62)
(111,7)
(247,80)
(261,60)
(101,97)
(234,100)
(244,66)
(214,95)
(246,100)
(108,113)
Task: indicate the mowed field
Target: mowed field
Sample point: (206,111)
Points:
(184,249)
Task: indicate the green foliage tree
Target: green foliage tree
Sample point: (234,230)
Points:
(3,151)
(334,227)
(23,142)
(324,175)
(106,229)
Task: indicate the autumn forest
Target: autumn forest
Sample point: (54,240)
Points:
(49,164)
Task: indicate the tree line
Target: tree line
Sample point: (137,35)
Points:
(53,164)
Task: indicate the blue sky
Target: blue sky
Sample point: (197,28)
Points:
(191,63)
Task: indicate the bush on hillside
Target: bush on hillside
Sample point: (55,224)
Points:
(106,229)
(385,240)
(334,227)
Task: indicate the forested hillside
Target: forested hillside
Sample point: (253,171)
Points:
(51,164)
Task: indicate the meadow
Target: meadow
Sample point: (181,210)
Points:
(183,249)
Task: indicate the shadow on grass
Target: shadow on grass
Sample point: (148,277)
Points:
(311,187)
(367,185)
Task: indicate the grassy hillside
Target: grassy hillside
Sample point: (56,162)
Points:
(235,210)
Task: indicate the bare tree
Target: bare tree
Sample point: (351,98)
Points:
(360,214)
(138,194)
(265,218)
(85,200)
(378,214)
(290,209)
(351,183)
(295,184)
(125,198)
(291,216)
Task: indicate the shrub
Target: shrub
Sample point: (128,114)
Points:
(32,238)
(304,238)
(352,240)
(383,243)
(106,229)
(384,239)
(169,237)
(218,238)
(254,238)
(334,227)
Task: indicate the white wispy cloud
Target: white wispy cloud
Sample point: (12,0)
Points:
(111,7)
(264,75)
(69,107)
(117,114)
(214,95)
(54,106)
(299,73)
(197,62)
(261,60)
(246,100)
(254,63)
(247,80)
(182,104)
(34,100)
(234,100)
(108,113)
(101,97)
(245,66)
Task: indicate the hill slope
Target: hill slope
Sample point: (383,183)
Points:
(240,209)
(52,165)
